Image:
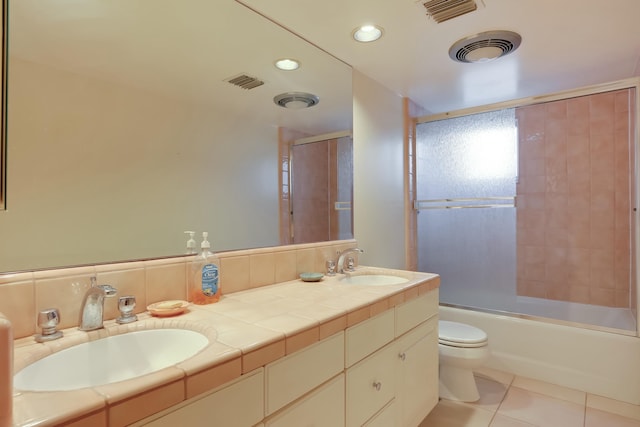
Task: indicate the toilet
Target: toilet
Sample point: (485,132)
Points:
(462,348)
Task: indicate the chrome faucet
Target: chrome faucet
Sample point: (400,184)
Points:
(341,255)
(92,309)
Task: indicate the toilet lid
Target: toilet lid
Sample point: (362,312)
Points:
(460,335)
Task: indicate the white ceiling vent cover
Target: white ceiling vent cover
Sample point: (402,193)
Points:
(245,81)
(485,46)
(296,100)
(443,10)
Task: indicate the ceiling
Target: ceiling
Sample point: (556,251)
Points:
(565,45)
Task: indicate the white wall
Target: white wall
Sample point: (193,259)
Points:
(100,172)
(378,183)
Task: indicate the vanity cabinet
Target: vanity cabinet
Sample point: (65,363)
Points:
(396,384)
(381,372)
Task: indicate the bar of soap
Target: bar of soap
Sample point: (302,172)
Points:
(168,305)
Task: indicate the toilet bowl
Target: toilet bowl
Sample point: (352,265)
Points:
(462,348)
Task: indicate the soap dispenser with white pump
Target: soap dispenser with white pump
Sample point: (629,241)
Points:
(204,286)
(191,243)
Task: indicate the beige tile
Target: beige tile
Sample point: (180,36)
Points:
(55,408)
(249,337)
(115,393)
(213,377)
(598,418)
(451,414)
(359,315)
(146,404)
(491,394)
(262,269)
(502,421)
(305,261)
(127,282)
(495,375)
(333,326)
(98,419)
(614,406)
(234,274)
(263,356)
(285,262)
(302,339)
(551,390)
(17,303)
(542,410)
(65,294)
(165,282)
(288,324)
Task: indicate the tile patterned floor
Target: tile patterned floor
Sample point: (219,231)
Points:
(511,401)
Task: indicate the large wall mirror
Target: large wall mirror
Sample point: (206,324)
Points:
(124,129)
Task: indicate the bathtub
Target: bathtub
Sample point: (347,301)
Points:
(595,361)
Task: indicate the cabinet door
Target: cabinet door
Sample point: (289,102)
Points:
(418,373)
(322,408)
(239,404)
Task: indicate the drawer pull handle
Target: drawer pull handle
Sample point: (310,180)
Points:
(402,356)
(377,385)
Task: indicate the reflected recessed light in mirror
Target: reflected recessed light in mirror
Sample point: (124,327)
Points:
(367,33)
(287,64)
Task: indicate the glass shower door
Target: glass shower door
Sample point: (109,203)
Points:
(466,172)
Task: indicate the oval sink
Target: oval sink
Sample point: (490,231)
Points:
(111,359)
(373,280)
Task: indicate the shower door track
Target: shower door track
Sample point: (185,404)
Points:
(542,319)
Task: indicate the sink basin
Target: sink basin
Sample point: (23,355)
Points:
(111,359)
(373,280)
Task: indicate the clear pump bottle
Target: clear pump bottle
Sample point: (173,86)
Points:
(204,286)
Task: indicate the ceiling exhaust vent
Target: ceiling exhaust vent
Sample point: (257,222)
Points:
(296,100)
(245,81)
(485,46)
(443,10)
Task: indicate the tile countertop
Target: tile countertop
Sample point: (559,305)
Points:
(246,330)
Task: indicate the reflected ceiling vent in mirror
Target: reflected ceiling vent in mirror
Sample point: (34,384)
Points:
(245,81)
(443,10)
(485,46)
(296,100)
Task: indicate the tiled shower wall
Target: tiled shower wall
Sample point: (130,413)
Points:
(574,219)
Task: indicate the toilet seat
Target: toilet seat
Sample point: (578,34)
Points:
(456,334)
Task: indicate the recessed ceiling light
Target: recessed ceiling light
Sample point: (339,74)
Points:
(367,33)
(287,64)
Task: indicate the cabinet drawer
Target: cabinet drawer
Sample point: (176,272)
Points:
(413,312)
(238,404)
(292,376)
(370,385)
(323,407)
(385,418)
(368,336)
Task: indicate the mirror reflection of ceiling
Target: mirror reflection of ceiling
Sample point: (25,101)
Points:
(565,45)
(186,50)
